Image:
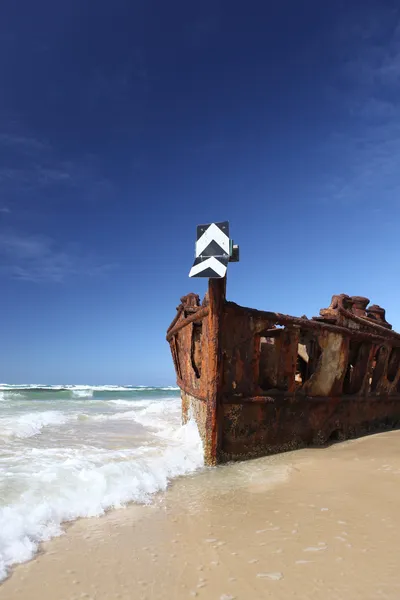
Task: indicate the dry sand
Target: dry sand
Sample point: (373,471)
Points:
(313,524)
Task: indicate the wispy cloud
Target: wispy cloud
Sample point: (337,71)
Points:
(32,178)
(56,179)
(39,259)
(33,175)
(22,142)
(30,164)
(367,89)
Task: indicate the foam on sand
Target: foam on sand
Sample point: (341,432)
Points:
(58,466)
(30,424)
(199,539)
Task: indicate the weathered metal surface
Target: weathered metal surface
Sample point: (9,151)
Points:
(195,316)
(330,371)
(377,313)
(352,311)
(253,429)
(266,319)
(261,382)
(360,304)
(213,366)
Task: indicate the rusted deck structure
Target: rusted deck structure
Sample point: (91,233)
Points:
(260,382)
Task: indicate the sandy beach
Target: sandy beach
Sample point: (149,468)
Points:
(317,523)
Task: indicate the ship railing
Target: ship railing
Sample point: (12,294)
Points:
(176,325)
(280,354)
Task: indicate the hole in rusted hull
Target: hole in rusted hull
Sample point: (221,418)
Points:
(393,364)
(308,356)
(378,368)
(287,358)
(268,363)
(195,353)
(354,349)
(301,371)
(359,354)
(335,436)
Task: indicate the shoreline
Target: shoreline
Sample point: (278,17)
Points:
(315,523)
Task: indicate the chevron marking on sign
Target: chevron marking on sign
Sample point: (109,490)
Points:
(209,267)
(212,251)
(214,237)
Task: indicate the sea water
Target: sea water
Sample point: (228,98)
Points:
(75,451)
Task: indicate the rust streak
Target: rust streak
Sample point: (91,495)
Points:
(260,382)
(195,393)
(196,316)
(216,299)
(384,331)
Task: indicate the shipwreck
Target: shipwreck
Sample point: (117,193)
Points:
(260,382)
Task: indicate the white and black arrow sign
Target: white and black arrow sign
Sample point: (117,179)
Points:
(212,251)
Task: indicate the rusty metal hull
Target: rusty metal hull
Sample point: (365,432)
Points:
(259,382)
(256,429)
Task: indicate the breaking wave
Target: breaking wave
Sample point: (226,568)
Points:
(30,424)
(28,392)
(83,457)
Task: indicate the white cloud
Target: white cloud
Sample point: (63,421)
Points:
(22,142)
(32,165)
(39,259)
(367,89)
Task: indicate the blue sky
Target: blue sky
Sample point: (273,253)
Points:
(125,124)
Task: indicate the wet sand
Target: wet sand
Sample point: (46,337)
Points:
(317,523)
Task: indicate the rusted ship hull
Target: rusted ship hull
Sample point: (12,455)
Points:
(260,382)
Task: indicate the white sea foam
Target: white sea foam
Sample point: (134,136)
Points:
(6,395)
(159,416)
(82,393)
(44,483)
(132,402)
(170,387)
(149,413)
(98,388)
(29,424)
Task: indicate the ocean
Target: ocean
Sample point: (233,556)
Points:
(76,451)
(307,523)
